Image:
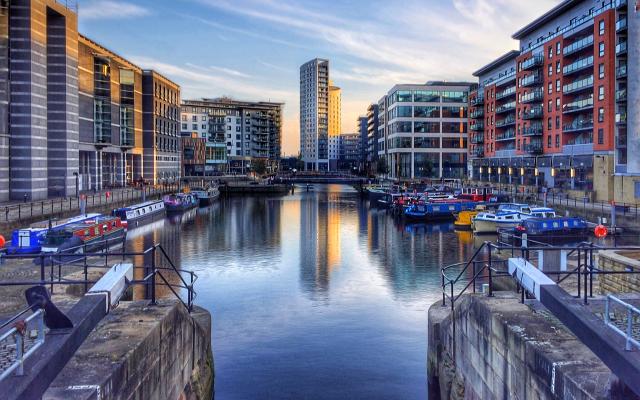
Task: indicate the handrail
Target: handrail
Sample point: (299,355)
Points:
(628,335)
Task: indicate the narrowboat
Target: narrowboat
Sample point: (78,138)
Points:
(139,213)
(179,202)
(205,196)
(29,240)
(508,216)
(555,229)
(464,218)
(437,211)
(90,234)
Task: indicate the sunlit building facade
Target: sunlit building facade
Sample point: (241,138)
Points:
(314,114)
(426,130)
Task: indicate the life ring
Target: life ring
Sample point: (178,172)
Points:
(600,231)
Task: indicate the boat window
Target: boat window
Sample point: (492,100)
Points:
(555,224)
(452,208)
(566,224)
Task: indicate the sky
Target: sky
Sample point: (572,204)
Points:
(253,49)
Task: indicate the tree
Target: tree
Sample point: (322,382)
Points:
(381,166)
(259,166)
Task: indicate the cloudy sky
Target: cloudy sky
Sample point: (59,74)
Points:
(252,49)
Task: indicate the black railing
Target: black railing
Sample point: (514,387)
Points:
(155,269)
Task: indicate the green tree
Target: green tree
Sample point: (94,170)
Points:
(381,166)
(259,166)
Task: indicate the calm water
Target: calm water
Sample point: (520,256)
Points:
(313,295)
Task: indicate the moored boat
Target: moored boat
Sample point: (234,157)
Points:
(179,202)
(136,214)
(207,195)
(437,210)
(91,234)
(464,218)
(508,216)
(552,230)
(29,240)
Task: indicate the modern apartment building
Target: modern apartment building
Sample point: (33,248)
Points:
(38,99)
(559,112)
(161,128)
(335,124)
(363,131)
(236,132)
(426,130)
(314,114)
(350,152)
(372,134)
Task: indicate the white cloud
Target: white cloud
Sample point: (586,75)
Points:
(108,9)
(229,71)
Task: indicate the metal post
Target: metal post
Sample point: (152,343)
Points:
(586,275)
(19,352)
(591,270)
(444,300)
(579,260)
(86,273)
(627,345)
(490,272)
(153,275)
(41,268)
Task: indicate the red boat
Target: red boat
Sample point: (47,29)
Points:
(90,234)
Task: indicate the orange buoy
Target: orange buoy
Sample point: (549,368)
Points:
(2,241)
(600,231)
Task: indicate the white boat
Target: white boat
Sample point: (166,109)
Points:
(507,216)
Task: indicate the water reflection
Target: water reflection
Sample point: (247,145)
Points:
(315,294)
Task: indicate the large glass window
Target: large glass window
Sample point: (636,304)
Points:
(401,127)
(454,143)
(454,97)
(127,100)
(454,127)
(454,165)
(403,111)
(426,143)
(454,112)
(401,143)
(427,96)
(426,165)
(426,112)
(427,127)
(402,96)
(102,100)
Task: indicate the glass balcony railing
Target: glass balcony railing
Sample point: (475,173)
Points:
(506,107)
(531,80)
(478,152)
(579,45)
(621,95)
(532,130)
(532,62)
(579,124)
(510,120)
(533,148)
(477,113)
(578,65)
(531,97)
(477,139)
(578,105)
(533,113)
(621,118)
(621,48)
(578,85)
(478,126)
(510,91)
(477,100)
(621,72)
(510,134)
(621,24)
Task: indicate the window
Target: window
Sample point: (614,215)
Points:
(184,117)
(601,26)
(549,142)
(601,93)
(550,69)
(557,141)
(557,67)
(194,118)
(601,71)
(557,85)
(601,49)
(558,48)
(549,124)
(601,114)
(550,88)
(600,136)
(550,106)
(184,127)
(194,127)
(204,126)
(204,117)
(228,127)
(558,122)
(558,104)
(550,52)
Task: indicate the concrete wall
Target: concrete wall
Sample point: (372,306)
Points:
(142,352)
(505,350)
(619,261)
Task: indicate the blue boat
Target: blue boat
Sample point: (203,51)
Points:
(29,240)
(557,229)
(437,210)
(138,213)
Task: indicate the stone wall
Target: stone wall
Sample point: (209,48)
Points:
(610,260)
(502,349)
(143,352)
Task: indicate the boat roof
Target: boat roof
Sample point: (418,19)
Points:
(90,222)
(61,222)
(139,205)
(540,209)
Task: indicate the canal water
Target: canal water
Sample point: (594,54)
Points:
(314,295)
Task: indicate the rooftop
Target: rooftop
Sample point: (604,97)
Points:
(546,17)
(505,58)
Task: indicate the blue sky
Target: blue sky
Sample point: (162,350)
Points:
(252,49)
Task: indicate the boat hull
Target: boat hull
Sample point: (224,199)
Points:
(481,226)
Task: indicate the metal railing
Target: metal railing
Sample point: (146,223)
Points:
(20,333)
(628,333)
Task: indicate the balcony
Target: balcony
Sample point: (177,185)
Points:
(533,113)
(478,126)
(578,105)
(509,134)
(508,92)
(621,96)
(477,139)
(578,85)
(621,72)
(533,148)
(478,152)
(477,113)
(532,62)
(477,100)
(621,118)
(532,130)
(621,24)
(506,107)
(579,124)
(621,48)
(578,65)
(579,45)
(531,97)
(510,120)
(531,80)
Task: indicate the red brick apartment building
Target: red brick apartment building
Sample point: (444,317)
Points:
(563,111)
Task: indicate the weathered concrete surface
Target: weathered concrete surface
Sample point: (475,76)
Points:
(619,261)
(505,350)
(140,351)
